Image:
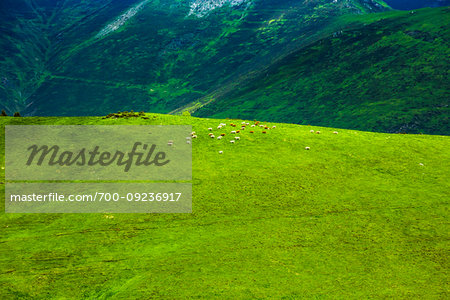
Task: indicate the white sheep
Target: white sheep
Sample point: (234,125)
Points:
(335,132)
(194,136)
(274,126)
(307,148)
(210,129)
(312,131)
(233,132)
(243,123)
(318,132)
(253,125)
(193,133)
(232,141)
(247,123)
(261,125)
(237,137)
(219,127)
(219,137)
(220,152)
(212,136)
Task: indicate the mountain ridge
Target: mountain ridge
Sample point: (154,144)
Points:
(408,51)
(73,47)
(165,58)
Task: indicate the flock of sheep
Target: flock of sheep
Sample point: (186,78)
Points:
(244,125)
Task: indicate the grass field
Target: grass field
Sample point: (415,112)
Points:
(359,215)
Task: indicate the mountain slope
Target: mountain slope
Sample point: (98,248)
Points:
(33,35)
(390,75)
(102,56)
(416,4)
(360,215)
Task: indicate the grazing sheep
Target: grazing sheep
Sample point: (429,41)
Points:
(193,133)
(335,132)
(247,123)
(243,123)
(243,128)
(220,152)
(219,137)
(237,131)
(318,132)
(232,141)
(219,127)
(210,129)
(222,134)
(194,136)
(251,131)
(233,132)
(261,125)
(307,148)
(274,126)
(188,142)
(264,132)
(170,143)
(253,125)
(266,127)
(237,137)
(312,131)
(212,136)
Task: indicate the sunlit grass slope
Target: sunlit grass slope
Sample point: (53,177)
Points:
(359,215)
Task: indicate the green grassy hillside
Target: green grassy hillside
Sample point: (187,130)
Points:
(390,75)
(359,215)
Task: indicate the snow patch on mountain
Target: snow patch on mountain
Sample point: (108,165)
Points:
(122,19)
(201,8)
